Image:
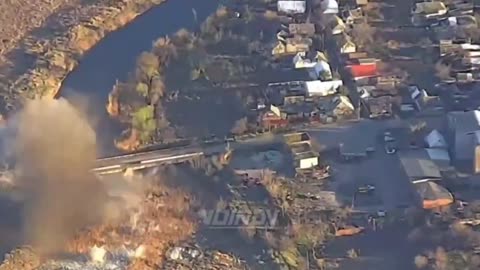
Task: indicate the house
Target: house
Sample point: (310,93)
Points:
(379,107)
(292,7)
(463,139)
(428,13)
(418,166)
(341,106)
(292,46)
(321,70)
(418,96)
(353,16)
(360,71)
(429,9)
(270,120)
(346,44)
(322,88)
(433,195)
(305,29)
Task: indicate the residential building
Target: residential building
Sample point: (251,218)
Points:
(292,45)
(346,44)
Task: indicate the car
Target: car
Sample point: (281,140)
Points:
(390,149)
(388,137)
(381,213)
(366,188)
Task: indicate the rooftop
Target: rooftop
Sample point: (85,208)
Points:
(309,154)
(419,166)
(464,122)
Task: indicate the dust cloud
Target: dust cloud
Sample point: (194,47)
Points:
(54,149)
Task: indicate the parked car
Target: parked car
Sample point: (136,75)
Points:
(388,137)
(366,188)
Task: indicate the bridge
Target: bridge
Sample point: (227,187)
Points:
(154,158)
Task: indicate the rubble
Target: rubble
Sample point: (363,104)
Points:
(192,257)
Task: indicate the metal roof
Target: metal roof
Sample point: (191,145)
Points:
(418,165)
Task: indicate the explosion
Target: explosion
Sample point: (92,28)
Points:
(55,148)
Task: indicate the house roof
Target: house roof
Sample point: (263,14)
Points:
(292,7)
(464,122)
(435,139)
(301,29)
(305,155)
(430,7)
(418,165)
(429,190)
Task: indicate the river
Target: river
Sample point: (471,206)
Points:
(114,58)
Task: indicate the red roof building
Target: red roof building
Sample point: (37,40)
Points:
(363,71)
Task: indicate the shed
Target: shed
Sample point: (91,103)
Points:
(292,6)
(433,195)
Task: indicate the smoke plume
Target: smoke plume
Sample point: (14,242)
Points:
(55,148)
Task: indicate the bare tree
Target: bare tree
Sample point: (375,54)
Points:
(442,71)
(240,126)
(363,34)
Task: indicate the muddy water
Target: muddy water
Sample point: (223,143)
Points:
(114,57)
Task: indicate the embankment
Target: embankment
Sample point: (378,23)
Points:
(41,60)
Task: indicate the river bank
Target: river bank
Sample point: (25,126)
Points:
(45,56)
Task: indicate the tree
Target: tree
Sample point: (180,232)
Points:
(442,71)
(363,34)
(240,126)
(164,50)
(148,67)
(144,123)
(156,91)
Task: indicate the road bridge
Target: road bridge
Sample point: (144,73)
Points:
(154,158)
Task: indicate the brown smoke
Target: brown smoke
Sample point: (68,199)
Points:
(55,148)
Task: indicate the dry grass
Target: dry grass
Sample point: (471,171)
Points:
(18,17)
(57,44)
(163,219)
